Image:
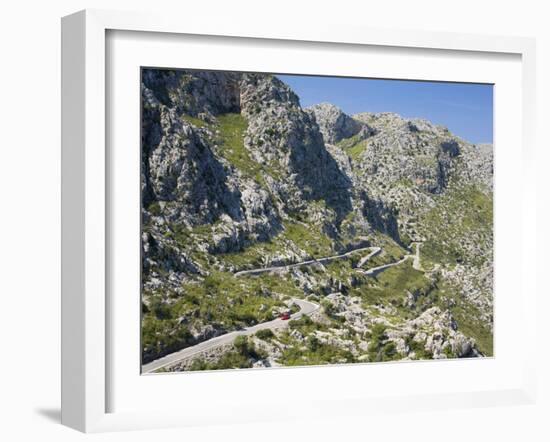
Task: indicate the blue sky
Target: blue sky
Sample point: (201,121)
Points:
(466,109)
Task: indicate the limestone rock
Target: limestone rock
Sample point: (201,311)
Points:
(333,123)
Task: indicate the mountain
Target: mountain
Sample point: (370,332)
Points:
(237,176)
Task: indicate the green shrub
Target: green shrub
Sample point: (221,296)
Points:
(328,307)
(230,360)
(241,344)
(160,337)
(294,308)
(448,351)
(312,343)
(315,353)
(265,334)
(389,351)
(243,356)
(199,364)
(418,348)
(247,349)
(301,322)
(380,349)
(159,308)
(154,209)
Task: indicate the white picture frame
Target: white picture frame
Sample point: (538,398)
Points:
(86,315)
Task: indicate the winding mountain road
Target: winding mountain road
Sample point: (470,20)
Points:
(374,251)
(416,257)
(376,270)
(369,272)
(364,259)
(306,309)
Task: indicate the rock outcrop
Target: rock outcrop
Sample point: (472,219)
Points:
(334,124)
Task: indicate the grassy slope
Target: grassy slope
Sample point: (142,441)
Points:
(197,122)
(460,215)
(463,216)
(242,355)
(232,129)
(353,146)
(308,238)
(220,300)
(391,286)
(311,351)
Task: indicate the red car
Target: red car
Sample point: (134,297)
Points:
(285,316)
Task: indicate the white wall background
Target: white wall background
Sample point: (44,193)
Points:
(30,214)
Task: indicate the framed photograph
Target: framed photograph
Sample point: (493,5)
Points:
(275,211)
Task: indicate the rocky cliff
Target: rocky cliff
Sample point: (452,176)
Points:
(237,175)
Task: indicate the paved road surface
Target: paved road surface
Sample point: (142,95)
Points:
(364,259)
(308,262)
(306,308)
(376,270)
(416,261)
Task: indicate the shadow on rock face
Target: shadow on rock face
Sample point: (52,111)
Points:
(318,174)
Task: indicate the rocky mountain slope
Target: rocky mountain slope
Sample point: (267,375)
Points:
(237,175)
